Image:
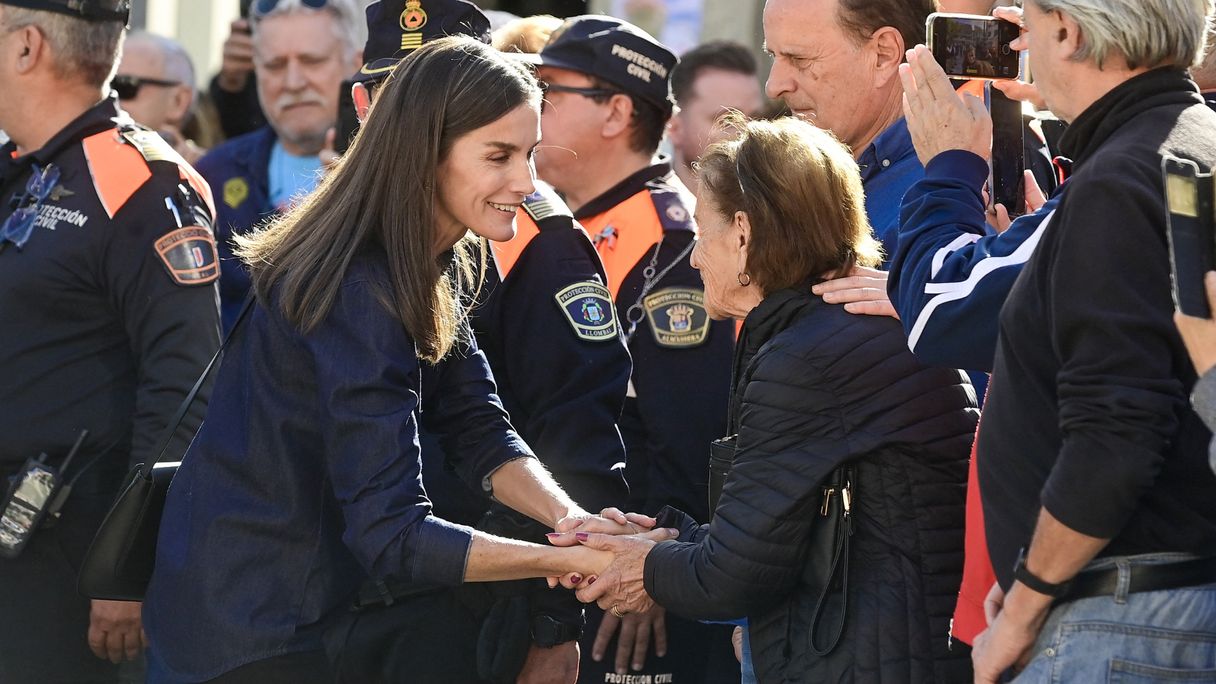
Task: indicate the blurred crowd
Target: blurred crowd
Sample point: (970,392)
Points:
(496,345)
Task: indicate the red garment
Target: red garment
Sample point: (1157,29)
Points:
(978,576)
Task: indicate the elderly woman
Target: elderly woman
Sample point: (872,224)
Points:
(823,401)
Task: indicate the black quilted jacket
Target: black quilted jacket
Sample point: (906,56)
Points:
(817,387)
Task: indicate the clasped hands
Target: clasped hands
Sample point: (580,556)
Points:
(622,542)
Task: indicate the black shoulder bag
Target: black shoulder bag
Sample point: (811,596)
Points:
(118,564)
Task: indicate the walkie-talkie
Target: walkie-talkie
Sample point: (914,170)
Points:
(26,505)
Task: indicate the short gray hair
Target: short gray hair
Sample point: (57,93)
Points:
(83,49)
(349,24)
(1147,33)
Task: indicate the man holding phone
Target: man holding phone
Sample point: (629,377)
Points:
(1105,487)
(302,49)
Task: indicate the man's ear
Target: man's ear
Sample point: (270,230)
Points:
(362,97)
(886,46)
(31,49)
(1068,37)
(619,117)
(675,127)
(183,96)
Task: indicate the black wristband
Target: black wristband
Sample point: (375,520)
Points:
(547,632)
(1035,583)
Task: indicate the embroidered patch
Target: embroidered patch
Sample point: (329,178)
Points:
(677,317)
(236,191)
(189,256)
(588,308)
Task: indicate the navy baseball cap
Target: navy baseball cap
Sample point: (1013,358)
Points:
(614,51)
(89,10)
(395,28)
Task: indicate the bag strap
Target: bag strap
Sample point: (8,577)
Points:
(842,478)
(176,421)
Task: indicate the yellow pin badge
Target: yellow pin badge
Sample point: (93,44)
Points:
(236,191)
(588,308)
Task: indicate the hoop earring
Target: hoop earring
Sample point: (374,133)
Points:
(742,282)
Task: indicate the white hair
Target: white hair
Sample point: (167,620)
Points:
(349,24)
(86,50)
(1147,33)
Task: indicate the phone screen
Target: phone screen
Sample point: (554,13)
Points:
(972,46)
(348,121)
(1008,153)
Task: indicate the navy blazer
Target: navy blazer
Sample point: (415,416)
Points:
(305,480)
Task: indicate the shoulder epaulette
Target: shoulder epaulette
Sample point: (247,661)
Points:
(674,211)
(119,163)
(545,203)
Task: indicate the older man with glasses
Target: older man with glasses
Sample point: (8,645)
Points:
(303,49)
(155,85)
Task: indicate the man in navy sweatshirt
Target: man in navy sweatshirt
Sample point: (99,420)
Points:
(1098,504)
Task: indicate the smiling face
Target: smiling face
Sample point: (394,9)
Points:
(300,64)
(822,73)
(485,177)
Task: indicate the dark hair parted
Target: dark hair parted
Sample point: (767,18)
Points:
(382,195)
(801,191)
(864,17)
(724,55)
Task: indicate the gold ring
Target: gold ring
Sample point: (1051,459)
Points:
(616,610)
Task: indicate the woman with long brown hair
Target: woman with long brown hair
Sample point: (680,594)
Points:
(305,478)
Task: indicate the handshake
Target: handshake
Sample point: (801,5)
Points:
(609,552)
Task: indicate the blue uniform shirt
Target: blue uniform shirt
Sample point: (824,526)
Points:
(305,480)
(888,168)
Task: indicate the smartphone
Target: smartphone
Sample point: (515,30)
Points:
(1008,182)
(1191,236)
(973,46)
(26,505)
(348,121)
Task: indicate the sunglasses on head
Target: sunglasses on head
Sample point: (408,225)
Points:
(128,87)
(264,7)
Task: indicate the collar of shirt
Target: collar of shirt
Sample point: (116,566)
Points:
(659,169)
(891,146)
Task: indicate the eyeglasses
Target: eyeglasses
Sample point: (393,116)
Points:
(264,7)
(547,88)
(128,87)
(18,226)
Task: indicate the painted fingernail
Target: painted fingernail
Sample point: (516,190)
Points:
(591,580)
(553,535)
(577,579)
(582,536)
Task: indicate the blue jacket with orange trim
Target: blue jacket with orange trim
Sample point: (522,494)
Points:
(239,173)
(681,359)
(545,320)
(109,306)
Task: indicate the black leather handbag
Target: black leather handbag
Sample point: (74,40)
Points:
(118,564)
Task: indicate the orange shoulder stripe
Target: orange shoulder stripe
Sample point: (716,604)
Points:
(506,254)
(118,169)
